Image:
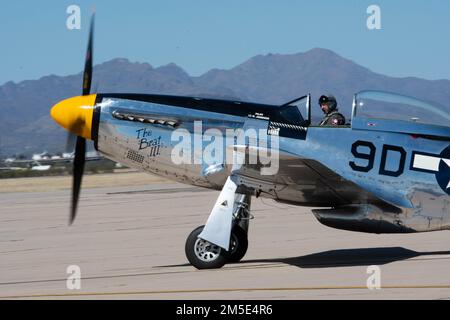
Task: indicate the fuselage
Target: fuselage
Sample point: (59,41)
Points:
(337,167)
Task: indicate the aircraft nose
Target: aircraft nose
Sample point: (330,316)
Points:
(75,115)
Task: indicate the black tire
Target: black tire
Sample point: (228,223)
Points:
(238,245)
(212,259)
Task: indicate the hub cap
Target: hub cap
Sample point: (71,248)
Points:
(206,251)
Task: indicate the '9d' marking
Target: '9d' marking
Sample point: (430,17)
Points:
(369,156)
(366,151)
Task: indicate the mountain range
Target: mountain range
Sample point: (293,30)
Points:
(26,126)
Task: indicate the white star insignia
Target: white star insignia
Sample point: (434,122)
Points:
(431,163)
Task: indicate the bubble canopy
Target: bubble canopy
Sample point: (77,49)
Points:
(391,106)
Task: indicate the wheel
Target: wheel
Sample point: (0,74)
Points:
(203,254)
(238,244)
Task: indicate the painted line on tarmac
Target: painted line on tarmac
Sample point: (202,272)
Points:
(86,294)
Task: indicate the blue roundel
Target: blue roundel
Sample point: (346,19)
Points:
(443,175)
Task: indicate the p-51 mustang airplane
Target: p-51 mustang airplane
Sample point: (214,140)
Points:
(387,172)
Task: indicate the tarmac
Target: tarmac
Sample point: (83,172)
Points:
(128,243)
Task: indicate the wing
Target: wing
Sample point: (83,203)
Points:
(302,182)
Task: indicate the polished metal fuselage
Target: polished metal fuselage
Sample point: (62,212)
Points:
(315,169)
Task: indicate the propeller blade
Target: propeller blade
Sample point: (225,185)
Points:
(80,147)
(87,75)
(78,169)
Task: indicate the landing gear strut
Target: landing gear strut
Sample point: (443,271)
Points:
(206,255)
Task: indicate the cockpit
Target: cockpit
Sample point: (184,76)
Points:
(297,111)
(377,110)
(391,106)
(385,111)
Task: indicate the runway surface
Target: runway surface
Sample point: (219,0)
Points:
(129,244)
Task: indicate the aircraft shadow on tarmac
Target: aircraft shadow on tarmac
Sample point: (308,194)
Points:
(351,257)
(345,258)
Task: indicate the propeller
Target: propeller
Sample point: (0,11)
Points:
(80,145)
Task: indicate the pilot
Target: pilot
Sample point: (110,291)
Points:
(332,117)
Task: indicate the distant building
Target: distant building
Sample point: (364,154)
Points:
(42,156)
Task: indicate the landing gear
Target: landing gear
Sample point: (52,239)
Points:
(239,234)
(238,245)
(205,255)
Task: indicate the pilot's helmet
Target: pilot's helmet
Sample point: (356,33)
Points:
(329,100)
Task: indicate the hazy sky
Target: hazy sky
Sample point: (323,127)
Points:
(202,34)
